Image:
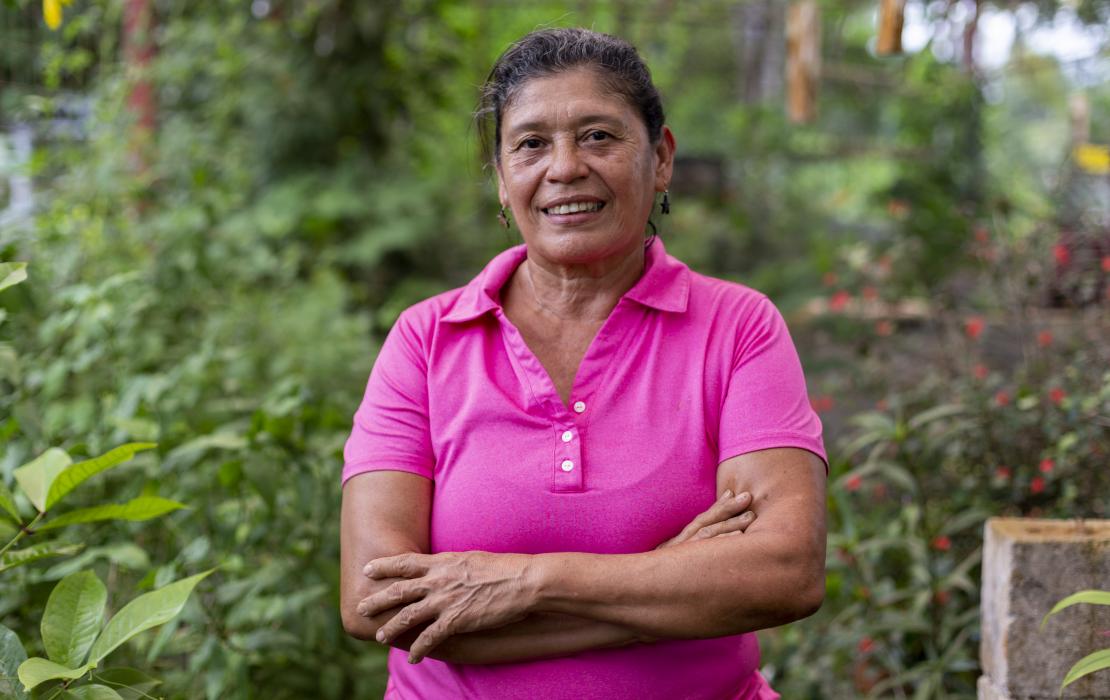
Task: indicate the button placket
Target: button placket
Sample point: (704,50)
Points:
(567,466)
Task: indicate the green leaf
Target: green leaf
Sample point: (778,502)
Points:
(130,683)
(19,557)
(936,413)
(72,617)
(142,508)
(1090,597)
(37,670)
(91,692)
(12,273)
(1097,661)
(36,476)
(146,611)
(7,503)
(74,475)
(11,656)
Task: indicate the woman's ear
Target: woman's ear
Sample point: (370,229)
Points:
(664,165)
(502,193)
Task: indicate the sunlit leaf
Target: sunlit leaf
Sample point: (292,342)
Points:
(12,655)
(1098,661)
(146,611)
(1090,597)
(72,619)
(12,273)
(42,550)
(7,504)
(36,670)
(36,477)
(75,474)
(142,508)
(91,692)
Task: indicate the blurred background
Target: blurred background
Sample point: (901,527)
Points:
(225,205)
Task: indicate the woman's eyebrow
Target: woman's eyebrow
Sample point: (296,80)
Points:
(542,124)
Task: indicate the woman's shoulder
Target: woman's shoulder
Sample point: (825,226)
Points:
(716,296)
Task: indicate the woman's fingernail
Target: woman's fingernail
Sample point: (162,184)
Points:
(368,569)
(743,496)
(362,610)
(414,659)
(727,493)
(380,636)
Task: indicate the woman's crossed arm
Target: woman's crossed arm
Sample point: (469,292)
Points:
(476,607)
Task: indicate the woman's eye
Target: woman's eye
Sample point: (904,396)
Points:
(530,144)
(598,136)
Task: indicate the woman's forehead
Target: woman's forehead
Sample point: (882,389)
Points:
(564,99)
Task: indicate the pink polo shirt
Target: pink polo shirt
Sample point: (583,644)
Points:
(685,373)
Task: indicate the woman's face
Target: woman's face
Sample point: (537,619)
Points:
(578,170)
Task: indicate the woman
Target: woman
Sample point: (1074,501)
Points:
(529,445)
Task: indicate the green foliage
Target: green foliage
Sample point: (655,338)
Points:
(72,618)
(1095,661)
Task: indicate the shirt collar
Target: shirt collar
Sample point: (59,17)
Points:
(665,284)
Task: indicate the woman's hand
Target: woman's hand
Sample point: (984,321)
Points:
(728,516)
(451,592)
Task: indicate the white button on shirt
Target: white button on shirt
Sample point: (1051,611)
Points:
(568,436)
(579,406)
(567,465)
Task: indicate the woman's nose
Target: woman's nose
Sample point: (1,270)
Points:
(566,162)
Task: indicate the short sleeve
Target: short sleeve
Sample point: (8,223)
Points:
(390,429)
(766,404)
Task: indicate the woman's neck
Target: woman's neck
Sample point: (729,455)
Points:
(584,293)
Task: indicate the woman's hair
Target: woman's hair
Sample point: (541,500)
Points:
(549,51)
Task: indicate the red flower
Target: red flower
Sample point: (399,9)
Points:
(981,371)
(941,543)
(1062,254)
(982,235)
(829,279)
(839,300)
(853,483)
(870,293)
(866,644)
(973,327)
(1003,473)
(1036,485)
(884,328)
(1047,465)
(1044,338)
(1002,399)
(821,403)
(1106,263)
(1057,396)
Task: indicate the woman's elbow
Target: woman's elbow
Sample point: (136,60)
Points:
(356,625)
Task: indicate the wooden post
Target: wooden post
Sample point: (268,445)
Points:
(803,60)
(890,27)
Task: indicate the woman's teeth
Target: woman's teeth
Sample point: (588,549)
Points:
(574,208)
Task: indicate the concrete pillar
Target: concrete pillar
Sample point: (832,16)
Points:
(1029,565)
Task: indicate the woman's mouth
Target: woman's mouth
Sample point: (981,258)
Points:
(574,208)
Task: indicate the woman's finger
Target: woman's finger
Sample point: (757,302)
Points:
(428,640)
(732,525)
(411,616)
(392,596)
(399,566)
(728,506)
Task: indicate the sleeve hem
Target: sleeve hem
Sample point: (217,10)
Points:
(771,440)
(351,470)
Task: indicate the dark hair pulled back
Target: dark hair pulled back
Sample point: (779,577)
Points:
(549,51)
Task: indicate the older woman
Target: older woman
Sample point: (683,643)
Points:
(552,483)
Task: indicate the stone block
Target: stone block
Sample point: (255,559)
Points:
(1028,566)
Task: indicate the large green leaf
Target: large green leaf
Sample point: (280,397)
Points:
(1090,597)
(142,508)
(90,692)
(77,473)
(146,611)
(11,656)
(19,557)
(12,273)
(1098,661)
(36,670)
(72,617)
(130,683)
(36,477)
(7,503)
